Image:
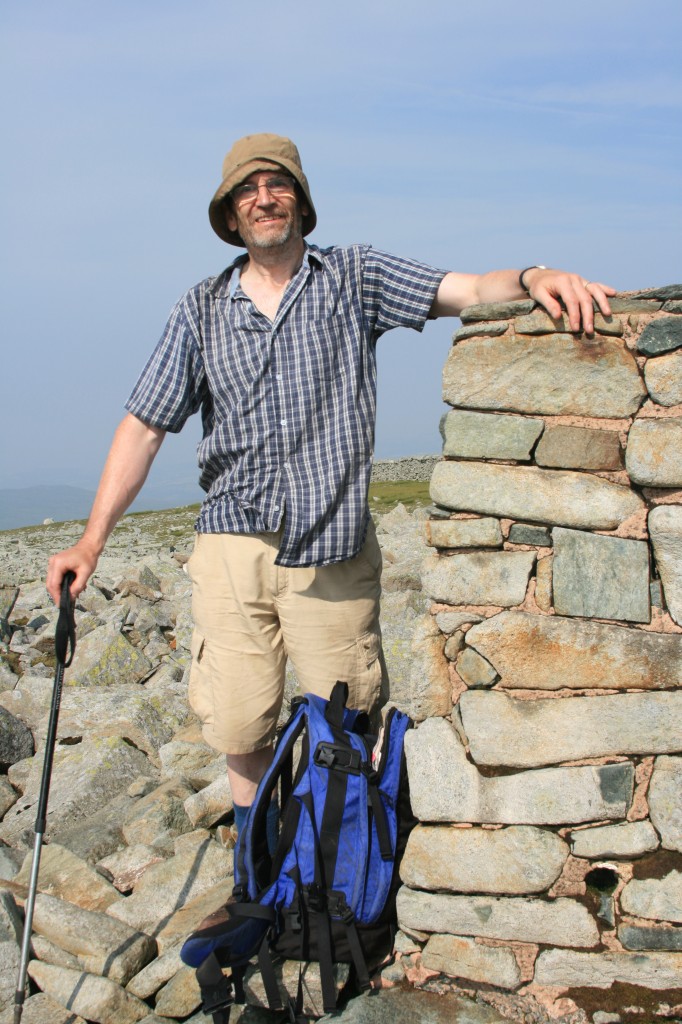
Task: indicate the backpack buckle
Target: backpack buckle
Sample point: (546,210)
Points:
(317,898)
(342,759)
(338,907)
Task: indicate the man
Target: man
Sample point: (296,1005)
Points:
(278,352)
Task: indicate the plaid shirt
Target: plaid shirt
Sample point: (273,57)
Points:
(288,406)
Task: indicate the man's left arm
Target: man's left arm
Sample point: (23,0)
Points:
(550,288)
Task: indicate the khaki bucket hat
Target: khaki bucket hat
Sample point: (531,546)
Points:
(262,152)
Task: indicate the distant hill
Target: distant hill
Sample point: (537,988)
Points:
(30,506)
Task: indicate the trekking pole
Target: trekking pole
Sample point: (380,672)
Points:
(64,643)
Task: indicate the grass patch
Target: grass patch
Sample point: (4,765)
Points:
(386,494)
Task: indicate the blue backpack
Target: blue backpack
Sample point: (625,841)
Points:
(327,894)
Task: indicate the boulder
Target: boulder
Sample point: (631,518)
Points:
(656,898)
(543,652)
(464,533)
(665,529)
(160,812)
(665,801)
(556,375)
(558,922)
(16,741)
(653,456)
(419,683)
(478,577)
(97,999)
(567,447)
(480,435)
(85,778)
(663,378)
(64,875)
(461,957)
(504,730)
(167,886)
(558,497)
(508,861)
(574,969)
(600,577)
(629,840)
(105,657)
(105,946)
(661,335)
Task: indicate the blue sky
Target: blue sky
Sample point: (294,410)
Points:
(469,136)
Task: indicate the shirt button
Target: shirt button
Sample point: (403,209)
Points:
(276,508)
(283,422)
(278,376)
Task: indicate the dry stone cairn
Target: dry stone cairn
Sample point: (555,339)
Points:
(547,774)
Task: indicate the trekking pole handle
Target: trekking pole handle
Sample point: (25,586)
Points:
(65,636)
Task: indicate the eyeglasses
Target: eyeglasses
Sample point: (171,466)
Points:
(281,185)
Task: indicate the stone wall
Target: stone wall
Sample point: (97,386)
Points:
(412,467)
(547,772)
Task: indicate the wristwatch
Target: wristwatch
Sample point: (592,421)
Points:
(536,266)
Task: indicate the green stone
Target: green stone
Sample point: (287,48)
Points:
(668,291)
(625,304)
(497,310)
(523,533)
(661,335)
(600,577)
(487,328)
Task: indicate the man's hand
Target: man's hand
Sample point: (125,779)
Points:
(549,286)
(80,559)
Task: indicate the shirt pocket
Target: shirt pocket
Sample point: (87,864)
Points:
(324,350)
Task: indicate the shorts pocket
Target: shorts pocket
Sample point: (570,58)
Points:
(365,693)
(369,649)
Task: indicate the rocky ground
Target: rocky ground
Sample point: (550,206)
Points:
(139,839)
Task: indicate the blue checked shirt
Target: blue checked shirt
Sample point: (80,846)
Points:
(288,406)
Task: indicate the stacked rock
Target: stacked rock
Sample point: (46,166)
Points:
(556,583)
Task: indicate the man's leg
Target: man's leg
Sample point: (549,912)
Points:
(330,624)
(245,772)
(237,678)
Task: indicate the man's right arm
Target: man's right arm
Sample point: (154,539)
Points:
(130,458)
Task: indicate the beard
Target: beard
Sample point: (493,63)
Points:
(275,234)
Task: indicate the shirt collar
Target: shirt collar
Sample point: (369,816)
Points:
(223,285)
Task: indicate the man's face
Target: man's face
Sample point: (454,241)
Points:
(266,221)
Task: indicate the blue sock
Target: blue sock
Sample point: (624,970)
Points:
(240,816)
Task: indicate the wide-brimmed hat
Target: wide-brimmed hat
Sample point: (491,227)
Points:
(262,152)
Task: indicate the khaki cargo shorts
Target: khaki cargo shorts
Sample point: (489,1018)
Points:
(250,614)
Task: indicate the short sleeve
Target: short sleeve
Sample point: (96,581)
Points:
(172,385)
(398,292)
